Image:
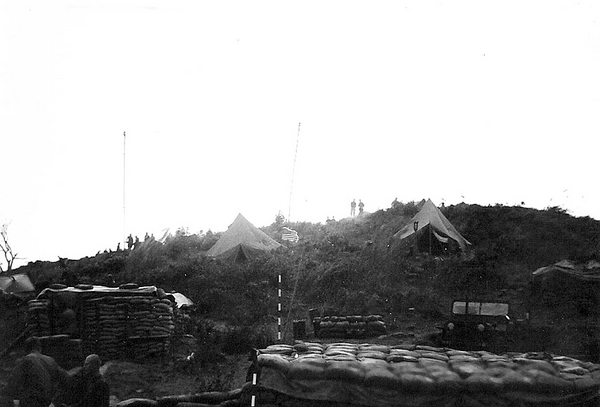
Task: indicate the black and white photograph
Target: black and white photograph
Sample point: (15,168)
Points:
(270,203)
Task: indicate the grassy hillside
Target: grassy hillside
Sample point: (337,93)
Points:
(350,266)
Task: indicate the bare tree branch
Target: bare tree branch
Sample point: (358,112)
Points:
(6,249)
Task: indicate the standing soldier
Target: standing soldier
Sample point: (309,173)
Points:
(353,208)
(361,206)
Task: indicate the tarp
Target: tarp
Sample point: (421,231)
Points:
(16,284)
(589,271)
(73,295)
(181,300)
(241,241)
(442,229)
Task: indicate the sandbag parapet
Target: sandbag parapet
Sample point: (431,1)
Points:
(124,326)
(38,318)
(381,375)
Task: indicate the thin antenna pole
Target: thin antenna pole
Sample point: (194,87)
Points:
(293,171)
(124,237)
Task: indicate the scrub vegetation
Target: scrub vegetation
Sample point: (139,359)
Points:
(350,266)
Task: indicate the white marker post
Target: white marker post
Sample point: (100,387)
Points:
(279,310)
(254,380)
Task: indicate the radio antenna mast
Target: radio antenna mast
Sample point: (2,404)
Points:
(293,171)
(124,238)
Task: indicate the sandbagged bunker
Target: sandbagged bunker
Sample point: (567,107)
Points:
(115,322)
(410,375)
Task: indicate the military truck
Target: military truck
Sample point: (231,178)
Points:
(478,325)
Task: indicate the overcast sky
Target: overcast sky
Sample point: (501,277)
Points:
(474,101)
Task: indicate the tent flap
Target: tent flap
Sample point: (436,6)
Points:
(443,239)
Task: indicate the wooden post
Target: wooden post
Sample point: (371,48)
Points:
(416,227)
(430,233)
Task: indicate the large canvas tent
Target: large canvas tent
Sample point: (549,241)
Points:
(431,219)
(242,241)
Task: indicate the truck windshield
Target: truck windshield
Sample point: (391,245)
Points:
(479,308)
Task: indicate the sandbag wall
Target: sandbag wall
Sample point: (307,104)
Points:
(38,319)
(341,374)
(68,352)
(130,327)
(184,324)
(353,326)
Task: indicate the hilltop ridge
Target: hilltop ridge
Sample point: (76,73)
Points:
(353,264)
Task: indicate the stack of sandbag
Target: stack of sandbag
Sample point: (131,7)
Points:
(163,310)
(66,351)
(37,317)
(179,319)
(379,375)
(352,326)
(126,326)
(104,326)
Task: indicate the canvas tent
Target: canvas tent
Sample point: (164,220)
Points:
(589,271)
(242,241)
(431,219)
(17,284)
